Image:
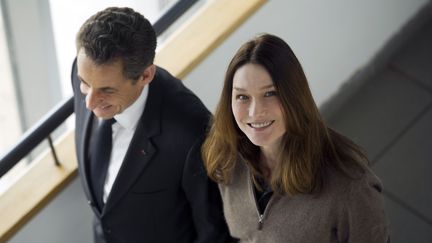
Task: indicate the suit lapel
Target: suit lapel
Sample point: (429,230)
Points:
(141,149)
(83,156)
(139,155)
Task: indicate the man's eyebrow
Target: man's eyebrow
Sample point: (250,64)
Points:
(81,79)
(104,89)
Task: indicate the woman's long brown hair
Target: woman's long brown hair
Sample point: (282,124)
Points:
(308,147)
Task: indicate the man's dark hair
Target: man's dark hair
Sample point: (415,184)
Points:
(119,34)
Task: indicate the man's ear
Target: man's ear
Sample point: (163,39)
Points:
(148,75)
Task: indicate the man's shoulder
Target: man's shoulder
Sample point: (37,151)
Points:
(165,78)
(177,98)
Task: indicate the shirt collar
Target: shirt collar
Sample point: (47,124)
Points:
(130,116)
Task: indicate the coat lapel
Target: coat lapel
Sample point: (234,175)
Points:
(83,157)
(141,149)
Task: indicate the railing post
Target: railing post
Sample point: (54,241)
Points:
(53,152)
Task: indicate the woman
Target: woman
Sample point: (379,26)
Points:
(284,176)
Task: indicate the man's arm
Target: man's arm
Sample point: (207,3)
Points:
(204,199)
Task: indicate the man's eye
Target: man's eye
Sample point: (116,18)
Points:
(84,88)
(109,91)
(270,93)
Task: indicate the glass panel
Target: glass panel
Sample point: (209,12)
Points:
(9,118)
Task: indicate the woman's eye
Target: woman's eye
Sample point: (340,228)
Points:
(241,97)
(270,93)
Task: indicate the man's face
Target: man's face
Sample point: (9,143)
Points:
(107,91)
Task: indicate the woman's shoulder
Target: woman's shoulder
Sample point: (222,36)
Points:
(359,206)
(351,184)
(238,175)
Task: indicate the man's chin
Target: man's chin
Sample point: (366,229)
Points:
(103,115)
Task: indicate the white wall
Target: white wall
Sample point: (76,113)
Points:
(332,39)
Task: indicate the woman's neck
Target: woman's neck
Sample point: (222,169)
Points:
(268,162)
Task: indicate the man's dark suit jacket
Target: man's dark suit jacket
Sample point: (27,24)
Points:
(161,193)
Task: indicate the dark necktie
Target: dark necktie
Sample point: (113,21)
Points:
(99,160)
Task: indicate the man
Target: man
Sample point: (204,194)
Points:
(150,185)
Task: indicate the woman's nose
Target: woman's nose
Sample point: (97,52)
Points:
(256,108)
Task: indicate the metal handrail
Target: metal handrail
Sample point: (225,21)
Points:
(36,134)
(42,130)
(166,20)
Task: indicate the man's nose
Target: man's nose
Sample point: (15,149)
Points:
(91,99)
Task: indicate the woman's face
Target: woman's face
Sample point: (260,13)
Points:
(256,106)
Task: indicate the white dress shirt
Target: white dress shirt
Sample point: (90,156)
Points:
(122,131)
